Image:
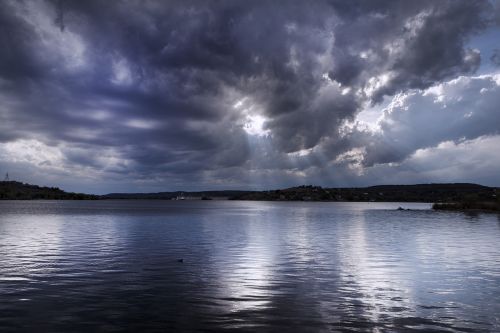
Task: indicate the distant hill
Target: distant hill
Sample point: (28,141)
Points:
(11,190)
(381,193)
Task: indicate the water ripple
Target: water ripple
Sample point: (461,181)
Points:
(345,267)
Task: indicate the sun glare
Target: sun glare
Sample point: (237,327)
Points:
(254,125)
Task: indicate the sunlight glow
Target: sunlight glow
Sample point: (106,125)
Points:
(254,125)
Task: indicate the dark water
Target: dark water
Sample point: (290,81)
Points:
(252,266)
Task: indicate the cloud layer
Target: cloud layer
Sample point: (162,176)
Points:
(134,95)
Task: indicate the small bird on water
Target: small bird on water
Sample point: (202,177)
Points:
(180,260)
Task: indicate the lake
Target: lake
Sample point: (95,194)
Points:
(78,266)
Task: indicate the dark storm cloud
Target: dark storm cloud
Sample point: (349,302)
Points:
(158,83)
(414,44)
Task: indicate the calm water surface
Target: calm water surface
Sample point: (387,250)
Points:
(252,266)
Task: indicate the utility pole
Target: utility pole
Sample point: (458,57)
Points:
(6,177)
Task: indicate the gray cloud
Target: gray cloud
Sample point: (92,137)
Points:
(495,57)
(163,90)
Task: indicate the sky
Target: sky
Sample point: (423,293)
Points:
(148,96)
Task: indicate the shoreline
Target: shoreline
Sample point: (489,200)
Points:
(486,207)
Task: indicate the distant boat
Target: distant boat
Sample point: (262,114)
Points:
(180,197)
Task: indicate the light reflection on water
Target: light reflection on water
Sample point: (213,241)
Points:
(347,267)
